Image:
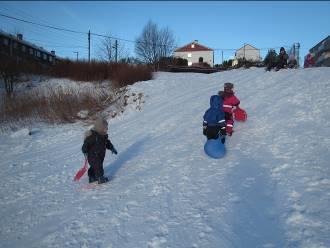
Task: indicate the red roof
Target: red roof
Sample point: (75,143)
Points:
(197,47)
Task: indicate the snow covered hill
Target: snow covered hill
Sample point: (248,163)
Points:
(271,190)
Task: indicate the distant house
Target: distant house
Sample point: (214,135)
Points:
(17,48)
(321,52)
(195,53)
(248,52)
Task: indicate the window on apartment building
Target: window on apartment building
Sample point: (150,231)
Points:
(189,55)
(50,59)
(23,48)
(38,54)
(5,42)
(14,44)
(31,51)
(44,56)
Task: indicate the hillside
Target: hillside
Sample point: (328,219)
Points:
(271,189)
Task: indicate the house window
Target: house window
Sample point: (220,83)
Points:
(189,55)
(44,56)
(38,54)
(31,51)
(14,45)
(23,48)
(5,42)
(50,59)
(189,63)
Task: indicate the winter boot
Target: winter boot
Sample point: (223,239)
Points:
(92,179)
(102,179)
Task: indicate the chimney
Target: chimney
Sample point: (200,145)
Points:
(52,52)
(20,36)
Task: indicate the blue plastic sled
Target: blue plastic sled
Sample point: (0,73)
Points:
(214,148)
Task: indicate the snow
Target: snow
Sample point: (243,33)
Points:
(271,189)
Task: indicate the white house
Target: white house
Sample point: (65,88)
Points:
(248,52)
(195,53)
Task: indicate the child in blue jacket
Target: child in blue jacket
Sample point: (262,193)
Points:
(214,119)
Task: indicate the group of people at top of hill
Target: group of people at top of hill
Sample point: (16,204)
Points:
(282,61)
(218,119)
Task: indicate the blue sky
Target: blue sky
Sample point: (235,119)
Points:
(220,25)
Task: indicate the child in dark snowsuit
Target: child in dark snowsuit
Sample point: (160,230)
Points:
(282,59)
(95,144)
(230,101)
(214,119)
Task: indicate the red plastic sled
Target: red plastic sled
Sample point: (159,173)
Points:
(240,114)
(81,172)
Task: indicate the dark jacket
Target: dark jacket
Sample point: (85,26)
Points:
(282,60)
(94,146)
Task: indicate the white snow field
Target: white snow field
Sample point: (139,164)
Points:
(272,189)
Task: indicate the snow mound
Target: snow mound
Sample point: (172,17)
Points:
(20,133)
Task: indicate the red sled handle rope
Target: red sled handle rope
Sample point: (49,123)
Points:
(81,171)
(240,114)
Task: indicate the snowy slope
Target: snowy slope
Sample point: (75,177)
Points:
(271,190)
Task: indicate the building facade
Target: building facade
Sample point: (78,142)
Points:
(195,53)
(15,47)
(248,52)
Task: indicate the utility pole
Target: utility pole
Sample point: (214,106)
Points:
(116,47)
(244,51)
(77,55)
(110,53)
(89,46)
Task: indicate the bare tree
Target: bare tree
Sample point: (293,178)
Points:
(154,43)
(9,72)
(107,50)
(167,42)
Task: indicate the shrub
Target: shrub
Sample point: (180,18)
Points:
(270,59)
(122,74)
(227,63)
(164,62)
(180,62)
(129,74)
(54,105)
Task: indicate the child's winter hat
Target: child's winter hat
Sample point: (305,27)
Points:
(100,124)
(228,87)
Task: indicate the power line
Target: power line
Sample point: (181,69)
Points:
(132,41)
(56,44)
(117,38)
(247,49)
(79,32)
(42,25)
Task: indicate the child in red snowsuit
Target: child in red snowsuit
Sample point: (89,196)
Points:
(230,101)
